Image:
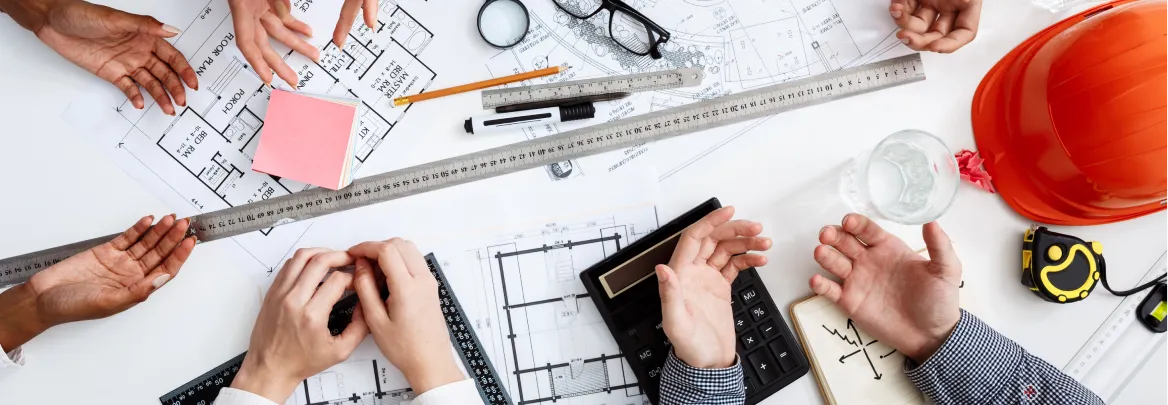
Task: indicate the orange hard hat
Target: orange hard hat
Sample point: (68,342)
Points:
(1072,122)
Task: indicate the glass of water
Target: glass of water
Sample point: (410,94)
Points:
(910,177)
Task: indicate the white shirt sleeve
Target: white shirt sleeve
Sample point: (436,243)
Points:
(462,392)
(11,361)
(232,396)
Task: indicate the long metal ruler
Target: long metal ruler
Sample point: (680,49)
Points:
(516,157)
(1118,348)
(205,388)
(631,83)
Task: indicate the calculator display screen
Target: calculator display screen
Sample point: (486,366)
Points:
(639,268)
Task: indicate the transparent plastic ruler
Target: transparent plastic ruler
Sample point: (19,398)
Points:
(631,83)
(1118,348)
(516,157)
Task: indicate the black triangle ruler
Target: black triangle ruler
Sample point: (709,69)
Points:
(204,389)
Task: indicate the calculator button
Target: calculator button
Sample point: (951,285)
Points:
(655,374)
(759,311)
(748,296)
(632,336)
(741,321)
(734,303)
(764,366)
(645,354)
(744,276)
(768,329)
(749,386)
(750,340)
(786,358)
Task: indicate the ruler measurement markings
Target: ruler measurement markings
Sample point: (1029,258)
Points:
(524,155)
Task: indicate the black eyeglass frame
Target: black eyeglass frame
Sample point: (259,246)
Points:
(612,6)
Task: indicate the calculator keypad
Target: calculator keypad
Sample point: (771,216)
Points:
(763,340)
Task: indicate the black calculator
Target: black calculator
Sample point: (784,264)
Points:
(624,289)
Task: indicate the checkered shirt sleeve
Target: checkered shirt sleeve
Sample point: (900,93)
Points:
(682,384)
(977,365)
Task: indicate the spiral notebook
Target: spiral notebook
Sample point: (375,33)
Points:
(309,138)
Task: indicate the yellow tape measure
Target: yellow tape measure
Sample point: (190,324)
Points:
(1060,268)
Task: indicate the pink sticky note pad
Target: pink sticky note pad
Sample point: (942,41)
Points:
(307,139)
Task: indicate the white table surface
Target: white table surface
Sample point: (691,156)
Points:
(59,189)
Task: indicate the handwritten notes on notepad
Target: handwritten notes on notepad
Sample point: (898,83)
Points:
(852,367)
(309,139)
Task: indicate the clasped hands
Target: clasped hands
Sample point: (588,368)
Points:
(291,340)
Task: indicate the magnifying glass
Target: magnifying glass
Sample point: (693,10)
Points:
(503,23)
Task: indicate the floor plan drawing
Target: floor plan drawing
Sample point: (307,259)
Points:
(740,44)
(199,160)
(366,378)
(534,317)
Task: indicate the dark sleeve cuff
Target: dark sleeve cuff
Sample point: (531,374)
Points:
(683,384)
(974,362)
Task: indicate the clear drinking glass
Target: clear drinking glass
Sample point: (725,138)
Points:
(1056,6)
(910,177)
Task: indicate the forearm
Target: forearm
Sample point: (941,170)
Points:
(19,322)
(976,364)
(30,14)
(264,380)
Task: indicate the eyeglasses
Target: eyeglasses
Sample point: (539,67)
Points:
(627,26)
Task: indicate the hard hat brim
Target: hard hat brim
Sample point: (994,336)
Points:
(995,136)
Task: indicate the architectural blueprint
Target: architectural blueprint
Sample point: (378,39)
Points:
(200,159)
(741,45)
(365,378)
(543,334)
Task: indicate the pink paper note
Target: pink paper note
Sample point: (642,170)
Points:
(306,139)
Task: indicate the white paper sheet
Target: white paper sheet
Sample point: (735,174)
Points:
(200,160)
(740,44)
(521,234)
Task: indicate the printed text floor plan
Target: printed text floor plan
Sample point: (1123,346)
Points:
(202,156)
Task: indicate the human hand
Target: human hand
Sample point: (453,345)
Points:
(349,15)
(408,326)
(125,49)
(98,282)
(936,25)
(291,339)
(695,286)
(890,291)
(258,20)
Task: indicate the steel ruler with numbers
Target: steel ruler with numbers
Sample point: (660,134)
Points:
(516,157)
(204,389)
(631,83)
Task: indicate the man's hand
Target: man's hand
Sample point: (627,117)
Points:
(291,339)
(256,21)
(125,49)
(890,291)
(936,25)
(695,286)
(98,282)
(408,326)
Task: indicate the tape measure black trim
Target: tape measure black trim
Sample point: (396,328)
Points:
(205,388)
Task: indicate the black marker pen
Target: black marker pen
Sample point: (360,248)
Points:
(528,118)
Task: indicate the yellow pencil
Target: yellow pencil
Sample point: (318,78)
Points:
(400,101)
